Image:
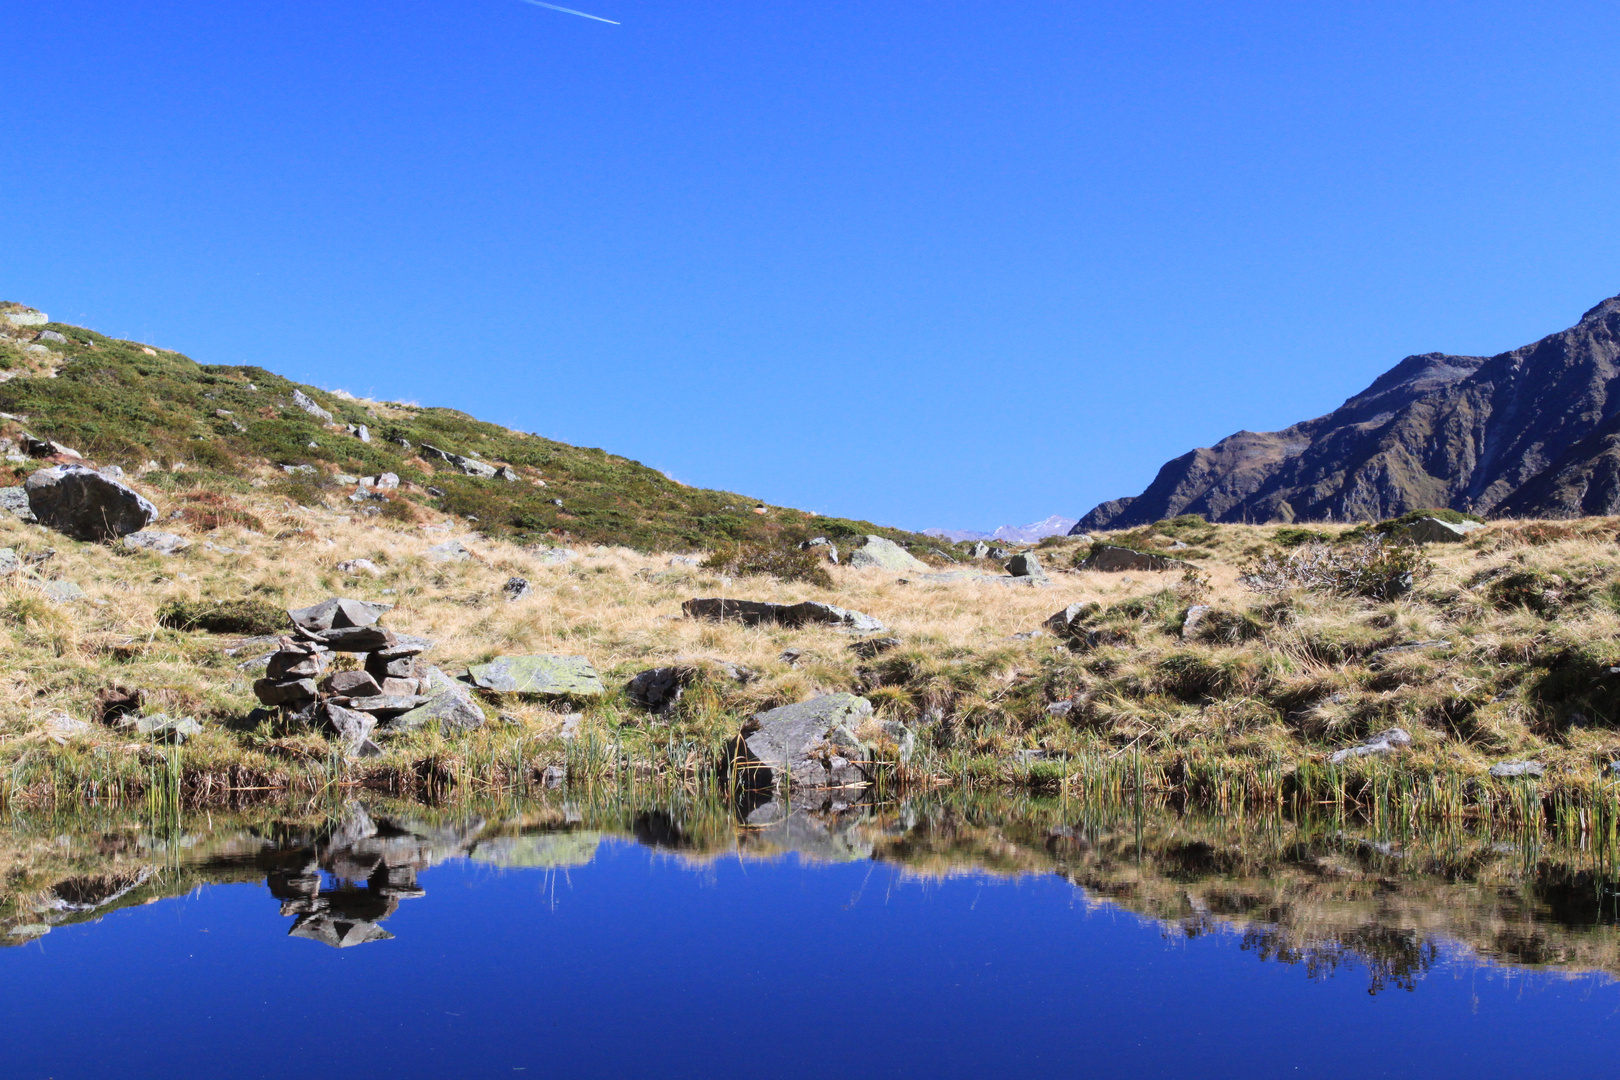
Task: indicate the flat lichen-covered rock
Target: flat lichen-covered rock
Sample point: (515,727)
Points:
(554,676)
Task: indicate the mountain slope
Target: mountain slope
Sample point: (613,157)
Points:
(123,403)
(1528,433)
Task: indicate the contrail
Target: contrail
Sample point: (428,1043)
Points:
(570,11)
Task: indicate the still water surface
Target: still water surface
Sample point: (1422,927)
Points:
(919,940)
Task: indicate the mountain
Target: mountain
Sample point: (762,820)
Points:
(1530,433)
(1056,525)
(185,424)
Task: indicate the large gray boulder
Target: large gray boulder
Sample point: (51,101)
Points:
(1113,559)
(551,676)
(886,555)
(27,317)
(1430,530)
(755,612)
(86,505)
(810,745)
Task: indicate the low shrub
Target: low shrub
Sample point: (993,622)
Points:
(1374,568)
(241,616)
(782,563)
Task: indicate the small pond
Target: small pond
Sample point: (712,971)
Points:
(939,937)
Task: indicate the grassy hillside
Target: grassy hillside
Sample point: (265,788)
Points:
(221,427)
(1502,648)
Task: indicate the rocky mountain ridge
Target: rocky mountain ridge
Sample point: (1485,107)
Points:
(1534,432)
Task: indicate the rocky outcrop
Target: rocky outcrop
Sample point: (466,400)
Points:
(307,403)
(469,466)
(755,612)
(85,504)
(1530,433)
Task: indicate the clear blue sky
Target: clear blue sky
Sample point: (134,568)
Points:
(952,263)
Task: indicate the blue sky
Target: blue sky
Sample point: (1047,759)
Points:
(956,263)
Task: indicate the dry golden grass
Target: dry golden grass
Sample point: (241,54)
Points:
(1528,611)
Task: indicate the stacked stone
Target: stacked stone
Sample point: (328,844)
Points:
(393,691)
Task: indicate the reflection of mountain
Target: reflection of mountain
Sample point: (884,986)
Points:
(1301,893)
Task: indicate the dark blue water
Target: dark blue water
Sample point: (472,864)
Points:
(643,964)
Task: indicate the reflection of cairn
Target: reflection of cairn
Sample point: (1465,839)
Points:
(351,703)
(373,870)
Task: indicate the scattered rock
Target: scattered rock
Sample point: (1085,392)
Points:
(1113,559)
(507,473)
(1195,616)
(61,727)
(552,676)
(824,545)
(979,550)
(382,482)
(1060,708)
(9,563)
(1508,770)
(755,612)
(161,728)
(554,776)
(1385,742)
(352,727)
(359,566)
(791,657)
(516,588)
(307,403)
(1070,619)
(659,689)
(61,592)
(1429,530)
(359,431)
(813,743)
(685,560)
(552,556)
(886,555)
(1026,565)
(86,505)
(1028,635)
(449,551)
(50,335)
(159,543)
(467,465)
(14,500)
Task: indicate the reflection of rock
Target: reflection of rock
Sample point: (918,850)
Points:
(338,933)
(546,851)
(825,832)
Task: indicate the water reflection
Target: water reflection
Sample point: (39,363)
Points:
(1321,895)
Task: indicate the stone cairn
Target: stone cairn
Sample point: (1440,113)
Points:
(381,697)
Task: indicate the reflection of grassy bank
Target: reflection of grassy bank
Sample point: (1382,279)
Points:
(1319,890)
